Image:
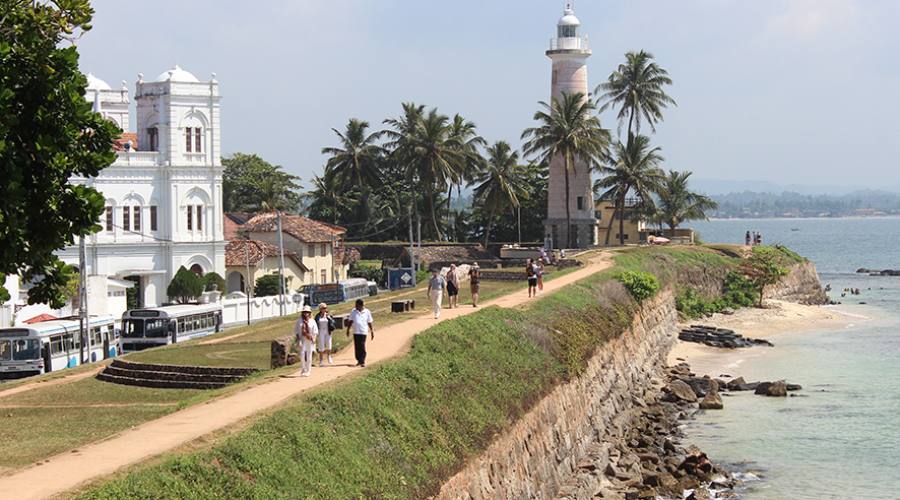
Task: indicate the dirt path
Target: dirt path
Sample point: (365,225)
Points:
(68,470)
(68,379)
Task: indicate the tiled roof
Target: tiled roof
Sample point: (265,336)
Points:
(239,251)
(233,223)
(119,144)
(301,228)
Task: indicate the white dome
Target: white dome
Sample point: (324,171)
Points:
(177,74)
(569,19)
(95,83)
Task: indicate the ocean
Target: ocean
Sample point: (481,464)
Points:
(841,437)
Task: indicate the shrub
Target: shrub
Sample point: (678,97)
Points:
(738,291)
(267,285)
(641,285)
(185,286)
(763,268)
(212,281)
(371,273)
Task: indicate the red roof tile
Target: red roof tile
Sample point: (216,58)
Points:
(301,228)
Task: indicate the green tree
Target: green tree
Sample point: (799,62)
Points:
(500,185)
(251,184)
(356,162)
(633,168)
(328,201)
(213,281)
(637,89)
(48,135)
(185,286)
(763,268)
(463,133)
(677,203)
(267,286)
(567,129)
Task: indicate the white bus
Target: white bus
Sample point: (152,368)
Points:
(145,328)
(53,345)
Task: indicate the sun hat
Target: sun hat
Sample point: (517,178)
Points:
(323,306)
(306,309)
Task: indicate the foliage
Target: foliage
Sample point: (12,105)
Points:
(737,292)
(356,162)
(212,278)
(185,286)
(48,135)
(500,184)
(641,285)
(789,256)
(637,89)
(251,184)
(370,272)
(677,204)
(763,268)
(267,285)
(567,130)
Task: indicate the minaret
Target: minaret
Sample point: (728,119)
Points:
(569,52)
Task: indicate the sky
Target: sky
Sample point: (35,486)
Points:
(789,92)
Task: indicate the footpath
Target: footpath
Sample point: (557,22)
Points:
(66,471)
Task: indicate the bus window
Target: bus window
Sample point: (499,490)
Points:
(56,345)
(5,350)
(26,349)
(133,328)
(156,328)
(69,342)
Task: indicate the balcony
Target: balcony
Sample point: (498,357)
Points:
(575,43)
(194,158)
(138,158)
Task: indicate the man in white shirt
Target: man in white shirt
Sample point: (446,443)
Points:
(361,321)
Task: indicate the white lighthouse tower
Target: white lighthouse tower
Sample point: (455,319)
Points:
(569,52)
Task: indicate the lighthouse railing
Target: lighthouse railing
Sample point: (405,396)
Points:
(573,43)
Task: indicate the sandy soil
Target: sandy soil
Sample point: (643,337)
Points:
(778,317)
(68,470)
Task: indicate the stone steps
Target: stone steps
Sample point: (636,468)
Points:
(171,376)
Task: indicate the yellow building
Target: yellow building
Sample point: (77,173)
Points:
(635,228)
(259,259)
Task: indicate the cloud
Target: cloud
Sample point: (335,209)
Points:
(809,20)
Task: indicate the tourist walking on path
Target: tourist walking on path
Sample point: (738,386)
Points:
(360,321)
(474,282)
(747,239)
(531,275)
(436,291)
(305,330)
(539,270)
(326,325)
(453,287)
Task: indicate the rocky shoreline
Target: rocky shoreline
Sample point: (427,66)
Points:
(719,337)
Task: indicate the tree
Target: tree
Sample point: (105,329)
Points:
(567,129)
(267,286)
(213,281)
(676,203)
(48,135)
(251,184)
(763,268)
(634,168)
(185,286)
(637,89)
(464,135)
(356,162)
(501,183)
(328,201)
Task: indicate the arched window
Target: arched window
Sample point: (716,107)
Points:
(197,269)
(194,125)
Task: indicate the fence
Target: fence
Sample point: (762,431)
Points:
(234,311)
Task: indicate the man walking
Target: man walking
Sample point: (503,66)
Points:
(436,291)
(305,331)
(531,275)
(360,321)
(474,282)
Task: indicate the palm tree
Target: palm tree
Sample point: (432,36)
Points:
(356,161)
(500,184)
(678,204)
(567,129)
(327,200)
(636,88)
(463,134)
(634,168)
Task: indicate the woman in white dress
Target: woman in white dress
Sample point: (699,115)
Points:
(305,331)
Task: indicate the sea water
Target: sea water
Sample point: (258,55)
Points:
(840,437)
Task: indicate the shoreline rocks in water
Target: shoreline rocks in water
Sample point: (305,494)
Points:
(719,337)
(879,272)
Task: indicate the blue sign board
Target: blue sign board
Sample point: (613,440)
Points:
(403,277)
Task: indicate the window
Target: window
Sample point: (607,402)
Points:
(109,219)
(190,218)
(198,134)
(126,218)
(580,202)
(187,139)
(324,276)
(568,31)
(199,217)
(153,135)
(311,250)
(137,219)
(324,250)
(153,218)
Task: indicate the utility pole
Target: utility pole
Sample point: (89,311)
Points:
(84,319)
(412,255)
(280,265)
(519,212)
(247,287)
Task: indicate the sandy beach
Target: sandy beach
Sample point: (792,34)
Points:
(778,317)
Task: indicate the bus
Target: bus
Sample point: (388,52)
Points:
(54,345)
(152,327)
(335,293)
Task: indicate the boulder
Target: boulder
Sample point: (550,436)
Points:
(712,401)
(794,387)
(777,389)
(678,390)
(761,388)
(735,384)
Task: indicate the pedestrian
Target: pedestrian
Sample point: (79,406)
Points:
(326,325)
(532,278)
(305,331)
(453,287)
(360,321)
(474,282)
(539,270)
(436,286)
(747,239)
(759,238)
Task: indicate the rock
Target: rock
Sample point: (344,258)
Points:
(761,388)
(734,384)
(794,387)
(651,479)
(678,390)
(777,390)
(712,401)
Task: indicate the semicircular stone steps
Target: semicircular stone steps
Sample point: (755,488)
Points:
(171,376)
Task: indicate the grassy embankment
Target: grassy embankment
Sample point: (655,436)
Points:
(408,424)
(53,419)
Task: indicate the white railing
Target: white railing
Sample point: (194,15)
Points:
(193,158)
(138,158)
(575,43)
(234,311)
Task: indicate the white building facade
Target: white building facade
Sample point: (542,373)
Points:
(164,191)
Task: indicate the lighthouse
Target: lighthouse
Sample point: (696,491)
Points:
(569,52)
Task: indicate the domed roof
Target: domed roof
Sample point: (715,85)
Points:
(95,83)
(177,74)
(569,19)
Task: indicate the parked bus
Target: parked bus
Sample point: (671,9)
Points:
(53,345)
(152,327)
(335,293)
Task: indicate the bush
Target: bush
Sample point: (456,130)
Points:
(212,281)
(371,273)
(641,285)
(185,286)
(267,285)
(737,292)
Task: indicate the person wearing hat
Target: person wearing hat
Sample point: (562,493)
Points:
(474,281)
(436,286)
(326,325)
(305,331)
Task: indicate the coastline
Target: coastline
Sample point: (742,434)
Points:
(779,317)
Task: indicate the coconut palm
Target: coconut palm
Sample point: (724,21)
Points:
(463,134)
(500,184)
(356,161)
(677,203)
(636,89)
(568,129)
(327,200)
(633,169)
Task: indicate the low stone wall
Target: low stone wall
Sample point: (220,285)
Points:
(542,451)
(800,285)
